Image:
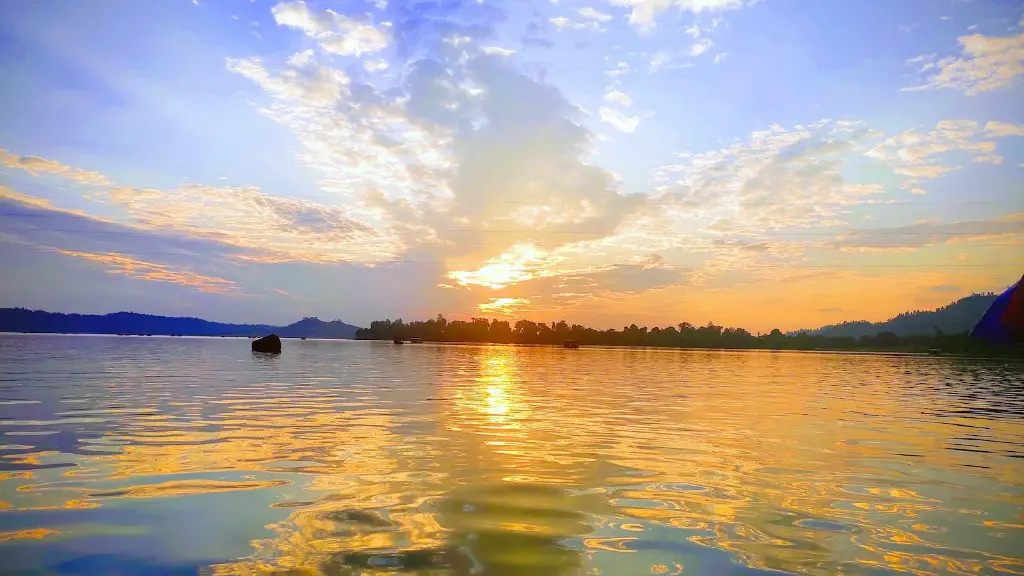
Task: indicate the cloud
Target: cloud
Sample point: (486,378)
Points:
(618,120)
(37,166)
(498,50)
(505,306)
(926,155)
(519,263)
(563,23)
(375,65)
(593,14)
(930,233)
(310,83)
(998,129)
(618,97)
(364,144)
(918,172)
(721,56)
(700,47)
(334,32)
(278,229)
(779,178)
(155,272)
(987,63)
(645,12)
(943,288)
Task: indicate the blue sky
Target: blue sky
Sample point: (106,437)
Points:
(648,161)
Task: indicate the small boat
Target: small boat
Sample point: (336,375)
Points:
(416,340)
(934,352)
(303,337)
(571,344)
(399,341)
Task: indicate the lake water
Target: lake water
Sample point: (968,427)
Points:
(123,455)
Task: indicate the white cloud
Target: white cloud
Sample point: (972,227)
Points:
(778,179)
(721,56)
(699,48)
(618,97)
(593,14)
(987,63)
(618,120)
(300,58)
(335,33)
(498,50)
(997,129)
(989,159)
(375,65)
(563,23)
(659,60)
(926,155)
(645,12)
(313,84)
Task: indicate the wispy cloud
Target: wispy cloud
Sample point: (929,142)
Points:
(335,33)
(154,272)
(998,129)
(37,166)
(986,63)
(645,12)
(618,120)
(498,50)
(618,97)
(933,233)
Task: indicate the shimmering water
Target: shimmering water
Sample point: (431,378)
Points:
(189,455)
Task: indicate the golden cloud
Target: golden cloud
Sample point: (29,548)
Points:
(37,166)
(118,264)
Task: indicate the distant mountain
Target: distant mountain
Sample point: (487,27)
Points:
(316,328)
(22,320)
(960,316)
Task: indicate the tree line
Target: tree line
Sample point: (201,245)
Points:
(683,335)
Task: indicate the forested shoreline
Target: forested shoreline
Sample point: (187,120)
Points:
(683,335)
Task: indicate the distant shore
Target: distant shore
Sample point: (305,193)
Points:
(998,353)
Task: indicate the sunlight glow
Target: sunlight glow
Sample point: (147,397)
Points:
(519,263)
(502,305)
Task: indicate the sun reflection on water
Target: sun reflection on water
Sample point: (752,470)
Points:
(502,460)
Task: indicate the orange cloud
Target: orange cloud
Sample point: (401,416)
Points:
(117,264)
(502,305)
(37,166)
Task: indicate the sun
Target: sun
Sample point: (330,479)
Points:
(517,264)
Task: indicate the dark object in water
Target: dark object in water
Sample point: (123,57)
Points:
(399,341)
(416,340)
(303,337)
(934,352)
(571,344)
(270,344)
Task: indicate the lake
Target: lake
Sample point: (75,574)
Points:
(133,455)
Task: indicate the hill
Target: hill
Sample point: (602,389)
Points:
(23,320)
(960,316)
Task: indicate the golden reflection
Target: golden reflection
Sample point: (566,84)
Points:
(27,534)
(535,460)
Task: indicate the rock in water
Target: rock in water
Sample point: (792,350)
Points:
(270,344)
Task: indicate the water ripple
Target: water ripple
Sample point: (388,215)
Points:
(191,454)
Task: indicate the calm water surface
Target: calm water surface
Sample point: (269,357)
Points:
(190,455)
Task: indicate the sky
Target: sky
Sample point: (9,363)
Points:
(755,163)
